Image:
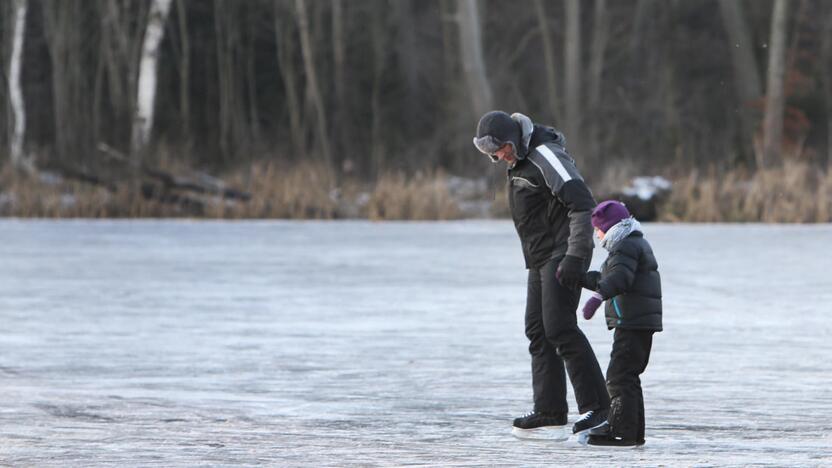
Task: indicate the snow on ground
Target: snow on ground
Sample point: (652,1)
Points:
(385,344)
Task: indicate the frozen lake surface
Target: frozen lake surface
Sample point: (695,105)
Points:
(134,343)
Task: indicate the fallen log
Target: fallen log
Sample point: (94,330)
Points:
(200,183)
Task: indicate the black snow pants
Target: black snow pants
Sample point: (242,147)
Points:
(630,353)
(555,340)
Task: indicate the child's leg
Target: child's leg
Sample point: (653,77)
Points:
(640,416)
(630,353)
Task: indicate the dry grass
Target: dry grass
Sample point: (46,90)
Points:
(424,196)
(794,193)
(797,192)
(296,191)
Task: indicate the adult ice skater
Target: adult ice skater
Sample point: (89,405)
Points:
(551,207)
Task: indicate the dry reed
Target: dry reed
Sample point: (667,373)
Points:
(796,192)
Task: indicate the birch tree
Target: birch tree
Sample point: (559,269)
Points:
(146,91)
(19,161)
(775,98)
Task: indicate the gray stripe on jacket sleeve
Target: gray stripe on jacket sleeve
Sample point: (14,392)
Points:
(580,234)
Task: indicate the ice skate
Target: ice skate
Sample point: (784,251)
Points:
(589,420)
(541,426)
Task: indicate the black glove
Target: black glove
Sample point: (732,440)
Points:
(591,279)
(570,271)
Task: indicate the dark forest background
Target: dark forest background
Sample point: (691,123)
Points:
(365,87)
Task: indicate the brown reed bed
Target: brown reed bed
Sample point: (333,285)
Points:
(794,193)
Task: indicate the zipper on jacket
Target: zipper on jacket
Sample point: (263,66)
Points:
(617,310)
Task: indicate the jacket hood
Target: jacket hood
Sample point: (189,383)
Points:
(534,135)
(543,134)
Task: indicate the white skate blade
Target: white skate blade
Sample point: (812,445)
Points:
(551,433)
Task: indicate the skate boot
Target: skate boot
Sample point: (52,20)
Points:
(602,436)
(589,420)
(541,425)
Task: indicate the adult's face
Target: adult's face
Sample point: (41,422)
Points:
(506,153)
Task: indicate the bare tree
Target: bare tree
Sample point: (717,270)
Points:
(284,30)
(775,98)
(600,36)
(747,81)
(473,61)
(122,24)
(146,91)
(572,64)
(548,59)
(184,64)
(19,160)
(63,40)
(826,78)
(312,87)
(338,71)
(378,148)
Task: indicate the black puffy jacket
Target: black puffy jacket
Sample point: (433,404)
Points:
(631,285)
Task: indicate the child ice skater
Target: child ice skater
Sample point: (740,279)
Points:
(629,283)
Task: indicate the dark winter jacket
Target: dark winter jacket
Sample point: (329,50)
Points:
(549,201)
(631,286)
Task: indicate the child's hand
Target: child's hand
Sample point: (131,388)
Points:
(592,305)
(591,279)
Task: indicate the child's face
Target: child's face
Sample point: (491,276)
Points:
(599,233)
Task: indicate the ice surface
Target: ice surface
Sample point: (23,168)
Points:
(386,344)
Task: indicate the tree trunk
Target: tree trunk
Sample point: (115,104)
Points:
(775,99)
(184,72)
(146,92)
(312,81)
(826,79)
(548,60)
(473,62)
(338,63)
(121,41)
(378,149)
(600,35)
(284,37)
(251,76)
(746,70)
(408,55)
(448,62)
(19,160)
(572,64)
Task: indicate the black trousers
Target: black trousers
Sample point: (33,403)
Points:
(630,353)
(554,341)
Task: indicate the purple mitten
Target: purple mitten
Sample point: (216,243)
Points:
(592,305)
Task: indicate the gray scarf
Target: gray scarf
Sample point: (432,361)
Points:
(619,232)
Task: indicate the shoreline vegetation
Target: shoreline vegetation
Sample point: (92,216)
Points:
(794,193)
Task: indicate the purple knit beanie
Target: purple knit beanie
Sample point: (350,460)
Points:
(608,213)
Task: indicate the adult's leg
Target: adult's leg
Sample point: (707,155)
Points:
(562,333)
(548,378)
(629,357)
